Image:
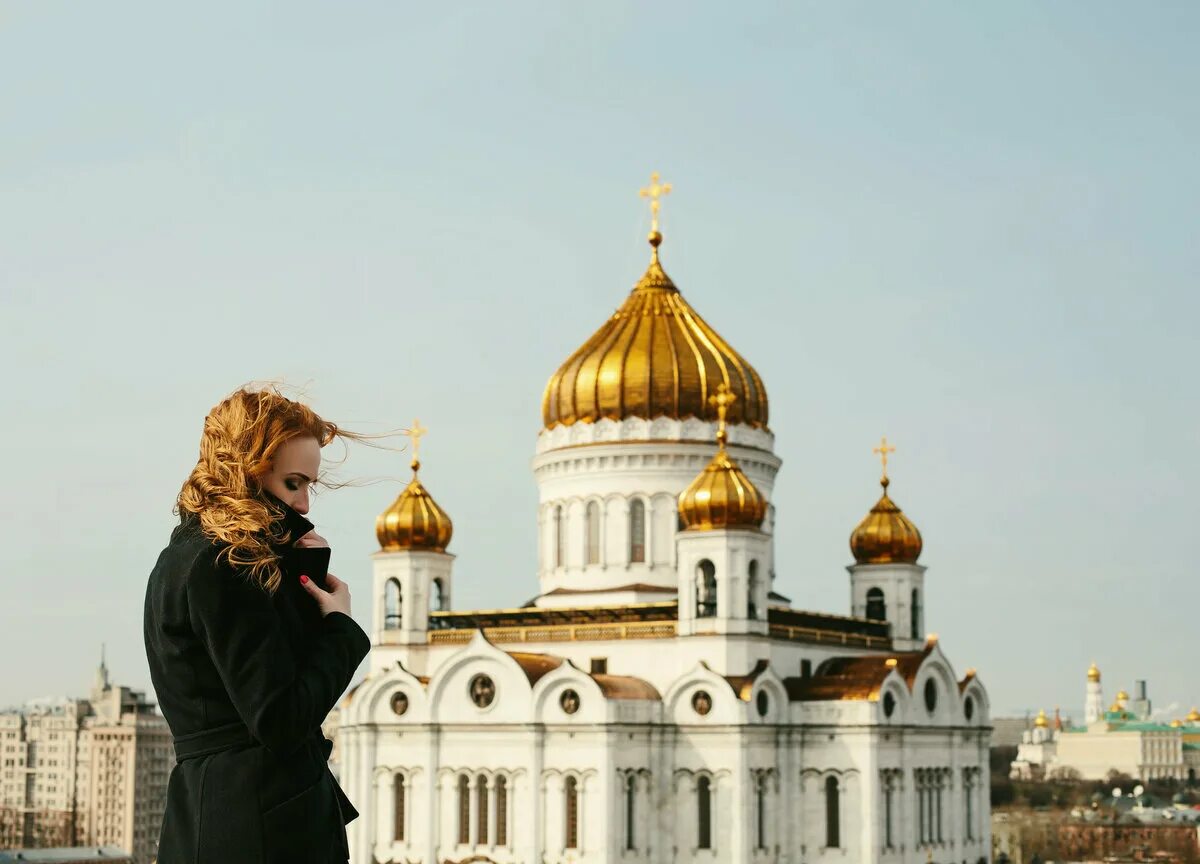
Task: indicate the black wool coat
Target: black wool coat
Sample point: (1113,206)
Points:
(244,680)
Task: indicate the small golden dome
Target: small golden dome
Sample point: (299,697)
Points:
(721,496)
(1193,716)
(1042,720)
(1175,724)
(1122,696)
(414,521)
(655,357)
(886,535)
(1093,672)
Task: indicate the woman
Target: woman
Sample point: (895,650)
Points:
(251,643)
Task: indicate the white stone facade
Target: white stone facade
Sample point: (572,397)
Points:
(657,703)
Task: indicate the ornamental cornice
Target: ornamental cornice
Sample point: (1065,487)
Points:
(638,429)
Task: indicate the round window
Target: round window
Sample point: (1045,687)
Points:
(889,704)
(762,702)
(482,690)
(969,707)
(701,702)
(569,701)
(399,702)
(930,695)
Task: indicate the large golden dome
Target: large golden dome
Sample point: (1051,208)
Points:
(1093,672)
(886,535)
(721,496)
(655,357)
(414,521)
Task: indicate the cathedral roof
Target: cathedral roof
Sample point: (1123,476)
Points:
(655,357)
(721,496)
(612,686)
(855,678)
(743,685)
(414,521)
(886,535)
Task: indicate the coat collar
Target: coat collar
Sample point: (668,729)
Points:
(295,523)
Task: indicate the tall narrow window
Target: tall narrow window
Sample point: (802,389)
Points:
(560,537)
(398,809)
(481,807)
(706,589)
(941,784)
(752,591)
(916,614)
(437,597)
(876,608)
(593,532)
(464,809)
(968,796)
(889,793)
(832,819)
(501,811)
(630,800)
(391,605)
(761,810)
(571,794)
(637,531)
(704,813)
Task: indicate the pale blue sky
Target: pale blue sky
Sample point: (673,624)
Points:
(969,227)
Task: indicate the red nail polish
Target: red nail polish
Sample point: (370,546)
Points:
(304,579)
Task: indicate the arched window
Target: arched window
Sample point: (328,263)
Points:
(704,813)
(752,591)
(571,806)
(876,608)
(832,821)
(630,800)
(593,532)
(560,538)
(481,808)
(391,605)
(437,597)
(501,811)
(464,809)
(706,589)
(398,809)
(637,531)
(916,614)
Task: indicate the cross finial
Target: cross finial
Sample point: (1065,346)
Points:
(654,191)
(721,400)
(416,433)
(883,450)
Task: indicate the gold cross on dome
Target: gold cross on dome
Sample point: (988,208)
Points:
(883,450)
(416,433)
(721,400)
(654,191)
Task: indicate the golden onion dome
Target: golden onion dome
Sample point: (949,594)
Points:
(721,496)
(414,521)
(1122,696)
(886,535)
(1175,724)
(655,357)
(1093,673)
(1042,721)
(1193,716)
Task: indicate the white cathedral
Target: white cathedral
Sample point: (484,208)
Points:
(658,701)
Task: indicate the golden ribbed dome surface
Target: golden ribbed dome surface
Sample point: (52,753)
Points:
(1093,672)
(414,521)
(886,535)
(1193,715)
(1041,721)
(655,357)
(721,496)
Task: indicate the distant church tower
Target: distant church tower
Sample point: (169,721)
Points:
(412,566)
(1094,705)
(886,582)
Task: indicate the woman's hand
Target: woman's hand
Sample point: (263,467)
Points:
(336,599)
(311,540)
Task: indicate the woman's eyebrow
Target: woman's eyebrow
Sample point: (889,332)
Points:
(303,477)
